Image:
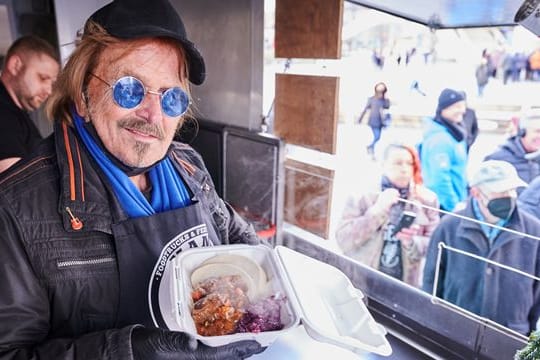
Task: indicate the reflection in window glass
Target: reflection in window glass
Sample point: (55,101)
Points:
(498,71)
(481,287)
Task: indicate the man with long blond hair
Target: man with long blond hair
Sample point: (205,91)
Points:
(90,225)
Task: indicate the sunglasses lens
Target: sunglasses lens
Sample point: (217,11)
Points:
(175,102)
(128,92)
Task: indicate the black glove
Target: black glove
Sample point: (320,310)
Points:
(159,344)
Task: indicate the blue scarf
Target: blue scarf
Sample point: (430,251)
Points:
(168,190)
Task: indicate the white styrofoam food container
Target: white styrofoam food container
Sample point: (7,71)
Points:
(318,295)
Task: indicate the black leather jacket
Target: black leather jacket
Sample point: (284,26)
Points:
(59,285)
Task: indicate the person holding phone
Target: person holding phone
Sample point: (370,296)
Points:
(390,235)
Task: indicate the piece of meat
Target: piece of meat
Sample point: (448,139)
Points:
(219,303)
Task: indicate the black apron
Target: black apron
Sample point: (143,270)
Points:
(145,247)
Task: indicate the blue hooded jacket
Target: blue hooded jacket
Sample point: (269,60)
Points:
(444,164)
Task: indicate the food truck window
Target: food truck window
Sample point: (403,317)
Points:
(340,177)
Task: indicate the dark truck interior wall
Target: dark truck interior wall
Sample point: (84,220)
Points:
(207,138)
(247,170)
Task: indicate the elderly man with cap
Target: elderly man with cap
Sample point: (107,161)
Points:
(488,290)
(443,151)
(90,224)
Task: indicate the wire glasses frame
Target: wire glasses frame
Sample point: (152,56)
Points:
(128,92)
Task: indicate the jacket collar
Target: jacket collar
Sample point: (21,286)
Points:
(515,146)
(85,190)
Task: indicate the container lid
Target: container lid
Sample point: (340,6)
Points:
(330,307)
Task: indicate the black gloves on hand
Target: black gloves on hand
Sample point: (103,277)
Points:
(159,344)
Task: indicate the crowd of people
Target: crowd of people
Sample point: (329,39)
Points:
(491,215)
(510,66)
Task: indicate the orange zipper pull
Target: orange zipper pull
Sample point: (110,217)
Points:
(76,224)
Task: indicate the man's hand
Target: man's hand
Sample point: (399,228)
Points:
(159,344)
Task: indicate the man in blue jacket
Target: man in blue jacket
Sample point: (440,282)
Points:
(443,151)
(499,294)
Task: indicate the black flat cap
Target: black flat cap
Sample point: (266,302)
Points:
(133,19)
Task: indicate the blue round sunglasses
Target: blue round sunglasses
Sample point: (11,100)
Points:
(128,92)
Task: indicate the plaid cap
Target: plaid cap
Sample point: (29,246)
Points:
(496,176)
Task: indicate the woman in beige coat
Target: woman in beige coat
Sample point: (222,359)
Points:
(365,232)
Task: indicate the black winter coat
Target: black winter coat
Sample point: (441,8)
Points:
(510,299)
(377,107)
(513,152)
(59,286)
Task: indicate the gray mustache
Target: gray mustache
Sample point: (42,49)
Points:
(143,126)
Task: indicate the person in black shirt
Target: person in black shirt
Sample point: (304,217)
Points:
(30,69)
